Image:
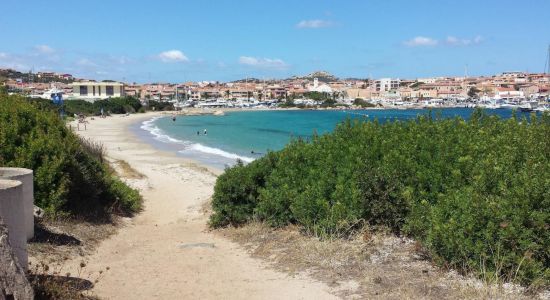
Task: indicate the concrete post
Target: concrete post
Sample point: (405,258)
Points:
(26,177)
(11,211)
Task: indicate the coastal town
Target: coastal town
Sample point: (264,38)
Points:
(515,89)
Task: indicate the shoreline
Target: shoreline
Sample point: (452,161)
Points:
(167,251)
(193,111)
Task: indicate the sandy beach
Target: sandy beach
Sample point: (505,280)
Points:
(167,251)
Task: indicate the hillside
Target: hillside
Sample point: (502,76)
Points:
(323,76)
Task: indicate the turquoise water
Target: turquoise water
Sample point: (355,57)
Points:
(247,135)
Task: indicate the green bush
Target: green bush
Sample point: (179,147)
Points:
(160,106)
(236,191)
(70,177)
(476,193)
(362,103)
(117,105)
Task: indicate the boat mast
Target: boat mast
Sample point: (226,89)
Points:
(177,99)
(547,65)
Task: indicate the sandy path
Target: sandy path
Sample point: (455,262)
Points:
(154,256)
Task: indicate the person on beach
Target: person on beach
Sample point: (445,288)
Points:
(81,120)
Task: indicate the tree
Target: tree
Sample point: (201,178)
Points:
(362,103)
(472,93)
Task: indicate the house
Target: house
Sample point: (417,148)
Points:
(91,90)
(321,88)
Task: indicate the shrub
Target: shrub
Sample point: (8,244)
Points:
(69,174)
(117,105)
(362,103)
(476,193)
(160,106)
(236,191)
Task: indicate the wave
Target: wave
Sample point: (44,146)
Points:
(218,152)
(160,135)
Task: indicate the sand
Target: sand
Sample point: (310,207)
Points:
(167,251)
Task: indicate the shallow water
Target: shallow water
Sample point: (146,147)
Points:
(247,135)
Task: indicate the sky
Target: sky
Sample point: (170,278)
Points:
(177,41)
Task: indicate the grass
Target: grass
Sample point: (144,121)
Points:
(53,283)
(368,264)
(123,168)
(58,240)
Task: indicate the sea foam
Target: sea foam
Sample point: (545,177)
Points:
(219,152)
(160,135)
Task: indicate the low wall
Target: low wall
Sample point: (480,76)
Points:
(26,177)
(12,212)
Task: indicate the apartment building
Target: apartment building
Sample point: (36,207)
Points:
(91,90)
(386,84)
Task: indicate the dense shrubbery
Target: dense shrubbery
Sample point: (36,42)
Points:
(362,103)
(160,105)
(116,105)
(69,175)
(476,193)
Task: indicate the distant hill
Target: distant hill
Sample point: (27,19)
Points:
(28,77)
(323,76)
(249,80)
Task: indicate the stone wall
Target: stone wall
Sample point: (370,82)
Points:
(13,216)
(26,177)
(13,282)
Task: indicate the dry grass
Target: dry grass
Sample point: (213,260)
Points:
(368,265)
(123,169)
(200,169)
(53,283)
(59,240)
(56,241)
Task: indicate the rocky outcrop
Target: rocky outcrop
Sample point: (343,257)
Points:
(13,282)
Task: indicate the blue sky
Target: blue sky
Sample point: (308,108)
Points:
(175,41)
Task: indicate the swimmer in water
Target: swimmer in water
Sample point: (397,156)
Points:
(205,132)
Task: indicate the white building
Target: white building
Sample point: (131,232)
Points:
(321,88)
(386,84)
(92,91)
(513,74)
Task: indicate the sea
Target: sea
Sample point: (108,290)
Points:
(219,141)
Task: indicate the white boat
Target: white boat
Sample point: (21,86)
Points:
(509,105)
(543,108)
(49,94)
(528,105)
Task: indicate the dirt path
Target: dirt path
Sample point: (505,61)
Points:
(166,252)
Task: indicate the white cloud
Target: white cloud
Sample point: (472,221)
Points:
(3,55)
(44,49)
(121,60)
(314,24)
(172,56)
(421,41)
(454,41)
(265,63)
(478,39)
(86,63)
